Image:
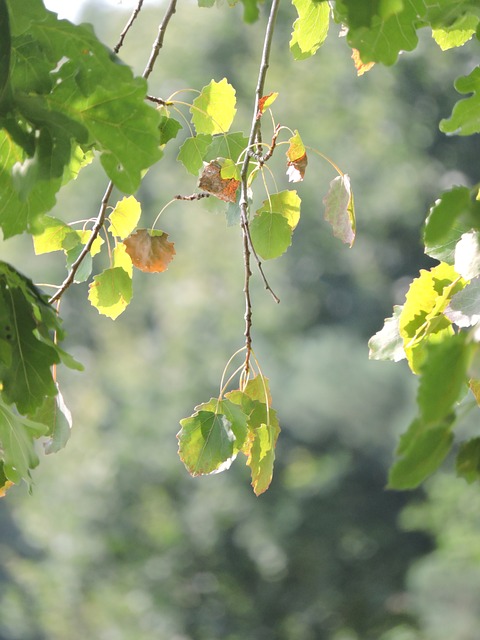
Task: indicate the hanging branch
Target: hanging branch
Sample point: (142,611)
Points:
(97,227)
(254,139)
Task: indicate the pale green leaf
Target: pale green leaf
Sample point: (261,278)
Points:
(310,29)
(287,203)
(339,209)
(457,34)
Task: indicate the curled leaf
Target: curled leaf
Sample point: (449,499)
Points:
(297,159)
(265,102)
(339,209)
(213,182)
(150,250)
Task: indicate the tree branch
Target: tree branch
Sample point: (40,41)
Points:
(158,44)
(248,248)
(128,26)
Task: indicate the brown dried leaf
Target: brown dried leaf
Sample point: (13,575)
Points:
(265,102)
(150,250)
(212,182)
(296,169)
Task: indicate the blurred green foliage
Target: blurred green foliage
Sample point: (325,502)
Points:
(117,542)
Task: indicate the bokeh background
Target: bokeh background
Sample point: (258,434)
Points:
(117,542)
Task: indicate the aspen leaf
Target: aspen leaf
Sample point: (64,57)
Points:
(122,259)
(124,217)
(150,250)
(297,159)
(212,180)
(214,109)
(310,29)
(339,209)
(52,236)
(271,234)
(266,102)
(287,203)
(192,152)
(111,292)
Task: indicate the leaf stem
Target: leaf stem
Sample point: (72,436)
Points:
(86,249)
(254,138)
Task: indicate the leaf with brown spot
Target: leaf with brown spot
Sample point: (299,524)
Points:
(150,250)
(297,159)
(212,182)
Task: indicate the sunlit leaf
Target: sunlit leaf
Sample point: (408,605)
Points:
(150,250)
(456,34)
(120,258)
(206,443)
(125,216)
(214,109)
(52,237)
(339,209)
(287,203)
(310,29)
(387,344)
(110,292)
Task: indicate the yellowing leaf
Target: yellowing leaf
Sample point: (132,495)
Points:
(51,238)
(214,109)
(97,243)
(150,250)
(285,202)
(111,292)
(122,259)
(265,102)
(261,453)
(297,159)
(124,218)
(310,29)
(361,67)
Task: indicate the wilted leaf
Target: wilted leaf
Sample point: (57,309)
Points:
(214,109)
(297,159)
(110,292)
(361,67)
(124,217)
(213,182)
(339,209)
(150,250)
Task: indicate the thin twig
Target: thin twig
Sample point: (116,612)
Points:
(248,248)
(128,26)
(193,196)
(86,249)
(158,44)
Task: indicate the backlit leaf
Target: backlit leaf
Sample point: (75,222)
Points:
(110,292)
(387,344)
(271,234)
(287,203)
(206,443)
(125,216)
(52,237)
(297,159)
(339,209)
(150,250)
(214,109)
(310,29)
(456,34)
(122,259)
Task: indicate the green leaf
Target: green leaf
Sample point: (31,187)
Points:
(387,344)
(16,444)
(192,152)
(261,456)
(421,450)
(5,49)
(465,118)
(24,325)
(52,236)
(457,34)
(206,443)
(235,415)
(452,215)
(111,291)
(339,209)
(214,109)
(286,203)
(271,234)
(310,29)
(58,420)
(422,318)
(443,376)
(230,145)
(468,461)
(169,127)
(124,218)
(83,272)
